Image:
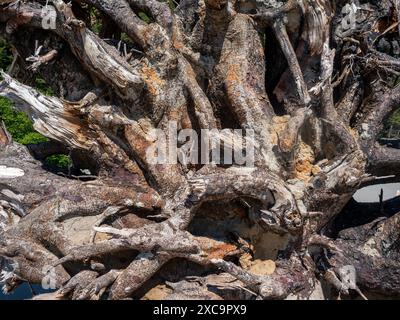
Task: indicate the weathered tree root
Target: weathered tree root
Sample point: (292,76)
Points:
(199,66)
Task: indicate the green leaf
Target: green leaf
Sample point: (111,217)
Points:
(144,17)
(43,87)
(32,138)
(59,160)
(18,124)
(172,4)
(95,21)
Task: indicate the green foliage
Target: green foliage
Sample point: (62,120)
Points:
(95,21)
(144,17)
(59,160)
(32,138)
(22,131)
(18,124)
(125,38)
(172,4)
(43,87)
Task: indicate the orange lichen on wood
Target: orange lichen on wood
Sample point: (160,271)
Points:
(278,126)
(215,249)
(221,251)
(153,82)
(305,160)
(232,76)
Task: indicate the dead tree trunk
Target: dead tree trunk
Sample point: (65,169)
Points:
(308,77)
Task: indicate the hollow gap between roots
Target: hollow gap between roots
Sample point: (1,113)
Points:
(358,213)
